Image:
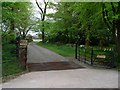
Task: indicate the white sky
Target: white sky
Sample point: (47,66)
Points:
(37,10)
(33,33)
(36,13)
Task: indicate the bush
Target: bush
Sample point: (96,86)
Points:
(10,63)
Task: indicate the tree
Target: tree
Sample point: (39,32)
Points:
(81,21)
(77,20)
(65,22)
(43,14)
(16,18)
(111,17)
(7,18)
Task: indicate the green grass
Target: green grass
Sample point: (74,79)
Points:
(64,50)
(10,64)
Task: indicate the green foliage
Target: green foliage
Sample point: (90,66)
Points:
(16,18)
(10,64)
(111,16)
(16,21)
(82,21)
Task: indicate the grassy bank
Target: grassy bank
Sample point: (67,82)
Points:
(68,50)
(64,50)
(10,64)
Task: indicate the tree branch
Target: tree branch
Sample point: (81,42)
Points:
(46,3)
(104,14)
(118,10)
(39,7)
(113,8)
(41,15)
(28,30)
(44,13)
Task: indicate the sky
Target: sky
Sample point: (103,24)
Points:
(33,33)
(37,14)
(37,10)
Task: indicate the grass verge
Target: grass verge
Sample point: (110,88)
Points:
(64,50)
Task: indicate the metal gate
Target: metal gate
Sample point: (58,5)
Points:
(95,56)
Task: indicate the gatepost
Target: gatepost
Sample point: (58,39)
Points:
(23,53)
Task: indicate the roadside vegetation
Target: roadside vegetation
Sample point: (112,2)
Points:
(62,49)
(10,63)
(16,23)
(68,50)
(89,23)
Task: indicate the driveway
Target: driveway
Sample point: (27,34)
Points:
(77,78)
(71,78)
(37,54)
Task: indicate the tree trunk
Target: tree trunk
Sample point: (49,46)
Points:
(67,36)
(43,14)
(118,38)
(43,34)
(24,35)
(101,42)
(118,31)
(87,42)
(11,26)
(12,23)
